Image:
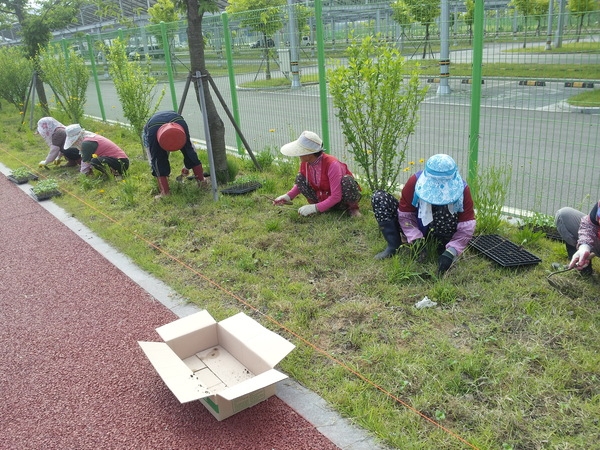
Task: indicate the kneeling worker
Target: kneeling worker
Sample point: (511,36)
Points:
(165,132)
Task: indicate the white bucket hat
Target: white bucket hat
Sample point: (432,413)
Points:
(73,132)
(307,144)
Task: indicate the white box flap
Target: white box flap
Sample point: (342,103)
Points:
(190,334)
(258,340)
(174,372)
(253,384)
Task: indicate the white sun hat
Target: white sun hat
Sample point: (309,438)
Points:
(307,144)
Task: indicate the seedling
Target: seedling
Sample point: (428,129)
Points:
(21,175)
(45,189)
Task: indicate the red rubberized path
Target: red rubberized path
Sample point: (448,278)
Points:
(72,375)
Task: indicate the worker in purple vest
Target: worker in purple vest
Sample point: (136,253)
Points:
(325,181)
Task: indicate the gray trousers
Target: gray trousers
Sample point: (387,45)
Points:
(567,224)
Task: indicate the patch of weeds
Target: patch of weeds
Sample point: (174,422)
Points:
(402,269)
(444,293)
(89,183)
(489,191)
(246,263)
(128,194)
(172,221)
(273,225)
(265,158)
(528,236)
(287,167)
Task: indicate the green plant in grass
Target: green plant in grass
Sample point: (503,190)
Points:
(489,190)
(529,236)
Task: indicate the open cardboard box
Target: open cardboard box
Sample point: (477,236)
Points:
(227,365)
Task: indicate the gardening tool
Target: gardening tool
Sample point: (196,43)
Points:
(564,286)
(272,200)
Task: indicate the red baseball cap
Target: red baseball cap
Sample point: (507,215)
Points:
(171,137)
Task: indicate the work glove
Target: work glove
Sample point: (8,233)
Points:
(57,161)
(282,200)
(307,210)
(581,258)
(43,164)
(445,261)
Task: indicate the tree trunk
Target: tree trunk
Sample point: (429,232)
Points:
(197,62)
(426,41)
(266,56)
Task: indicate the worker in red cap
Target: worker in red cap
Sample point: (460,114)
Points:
(166,132)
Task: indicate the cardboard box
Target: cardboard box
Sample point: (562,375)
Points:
(228,365)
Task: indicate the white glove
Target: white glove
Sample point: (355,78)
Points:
(581,258)
(43,164)
(282,200)
(307,210)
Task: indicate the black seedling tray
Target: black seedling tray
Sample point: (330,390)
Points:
(45,195)
(241,188)
(22,180)
(503,251)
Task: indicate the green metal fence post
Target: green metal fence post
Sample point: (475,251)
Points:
(322,73)
(95,74)
(231,73)
(167,50)
(476,91)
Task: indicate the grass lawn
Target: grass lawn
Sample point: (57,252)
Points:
(504,361)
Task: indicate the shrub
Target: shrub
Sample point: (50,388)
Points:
(68,76)
(377,109)
(16,72)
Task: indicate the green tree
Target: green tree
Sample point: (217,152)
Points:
(15,75)
(402,16)
(468,16)
(263,16)
(164,11)
(530,8)
(579,8)
(424,12)
(135,86)
(68,78)
(37,25)
(377,109)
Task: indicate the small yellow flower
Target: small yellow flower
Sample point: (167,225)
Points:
(412,163)
(94,155)
(101,191)
(406,169)
(272,130)
(421,160)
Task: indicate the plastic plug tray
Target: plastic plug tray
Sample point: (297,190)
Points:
(503,251)
(241,188)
